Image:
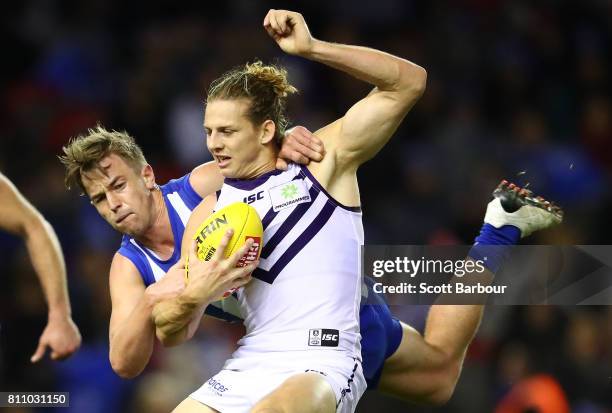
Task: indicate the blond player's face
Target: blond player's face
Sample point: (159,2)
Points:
(121,195)
(233,140)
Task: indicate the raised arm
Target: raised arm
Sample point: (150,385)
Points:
(369,124)
(19,217)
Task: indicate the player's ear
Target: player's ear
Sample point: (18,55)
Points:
(148,176)
(268,130)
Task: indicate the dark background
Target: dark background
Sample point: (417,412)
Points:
(512,86)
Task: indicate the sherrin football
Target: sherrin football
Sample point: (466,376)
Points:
(245,222)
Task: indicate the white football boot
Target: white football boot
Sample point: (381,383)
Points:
(518,207)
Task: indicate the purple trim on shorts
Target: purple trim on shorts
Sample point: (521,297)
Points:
(347,389)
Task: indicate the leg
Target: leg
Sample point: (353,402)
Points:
(418,372)
(190,405)
(301,393)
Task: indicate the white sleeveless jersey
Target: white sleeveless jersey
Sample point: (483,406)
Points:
(306,293)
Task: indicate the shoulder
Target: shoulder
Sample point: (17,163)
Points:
(124,275)
(206,179)
(129,264)
(121,263)
(183,188)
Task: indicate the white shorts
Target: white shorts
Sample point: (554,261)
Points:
(237,391)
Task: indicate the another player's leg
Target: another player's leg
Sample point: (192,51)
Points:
(404,376)
(426,370)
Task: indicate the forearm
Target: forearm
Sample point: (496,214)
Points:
(131,344)
(383,70)
(175,318)
(48,261)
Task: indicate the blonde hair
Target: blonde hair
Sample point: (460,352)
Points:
(85,151)
(266,86)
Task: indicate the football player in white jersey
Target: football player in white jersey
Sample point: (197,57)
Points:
(19,217)
(244,117)
(111,170)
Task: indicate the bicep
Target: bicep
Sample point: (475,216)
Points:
(367,126)
(370,123)
(126,289)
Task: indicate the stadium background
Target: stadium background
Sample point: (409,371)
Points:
(513,86)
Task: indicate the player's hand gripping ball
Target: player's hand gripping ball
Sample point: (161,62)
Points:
(245,222)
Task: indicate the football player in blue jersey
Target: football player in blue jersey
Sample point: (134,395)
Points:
(19,217)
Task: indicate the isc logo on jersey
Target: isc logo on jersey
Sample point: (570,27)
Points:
(245,222)
(323,337)
(253,197)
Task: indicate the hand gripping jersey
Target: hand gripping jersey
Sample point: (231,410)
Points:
(305,294)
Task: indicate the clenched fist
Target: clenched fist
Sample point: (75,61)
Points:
(290,31)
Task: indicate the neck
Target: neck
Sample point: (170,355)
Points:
(265,162)
(159,237)
(260,170)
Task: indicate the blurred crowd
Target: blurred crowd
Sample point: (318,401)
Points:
(516,89)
